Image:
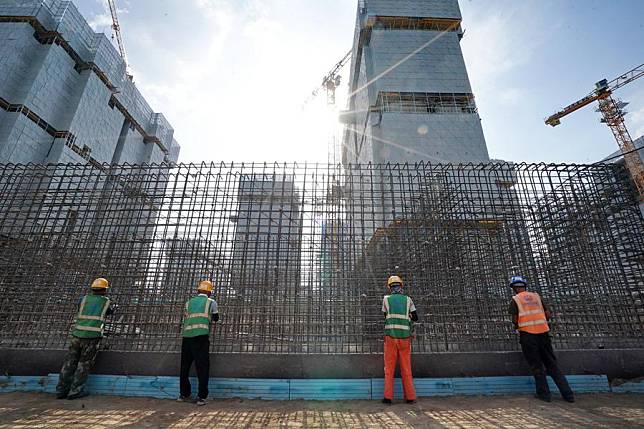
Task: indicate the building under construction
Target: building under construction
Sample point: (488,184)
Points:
(65,95)
(410,97)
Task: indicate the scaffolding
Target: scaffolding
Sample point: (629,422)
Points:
(300,253)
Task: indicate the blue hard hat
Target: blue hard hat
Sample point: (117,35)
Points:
(515,280)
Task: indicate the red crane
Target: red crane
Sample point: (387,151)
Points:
(613,116)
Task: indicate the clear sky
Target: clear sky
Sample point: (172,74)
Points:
(231,76)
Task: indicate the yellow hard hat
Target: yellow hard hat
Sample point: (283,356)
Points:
(100,283)
(205,286)
(393,280)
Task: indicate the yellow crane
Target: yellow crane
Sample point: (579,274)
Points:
(612,111)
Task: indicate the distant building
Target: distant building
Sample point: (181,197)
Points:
(617,156)
(410,95)
(268,232)
(266,257)
(65,96)
(189,261)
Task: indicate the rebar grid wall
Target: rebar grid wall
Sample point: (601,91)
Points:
(299,253)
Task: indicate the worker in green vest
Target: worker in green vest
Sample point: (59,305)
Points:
(399,311)
(199,311)
(85,339)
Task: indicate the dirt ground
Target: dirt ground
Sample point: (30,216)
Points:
(37,410)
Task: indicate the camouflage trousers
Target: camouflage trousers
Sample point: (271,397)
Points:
(78,363)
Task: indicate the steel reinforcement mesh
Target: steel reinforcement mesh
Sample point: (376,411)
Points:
(299,254)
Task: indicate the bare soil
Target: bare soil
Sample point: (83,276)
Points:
(37,410)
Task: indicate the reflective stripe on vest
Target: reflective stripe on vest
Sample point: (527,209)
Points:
(196,326)
(403,327)
(532,317)
(197,321)
(398,323)
(90,320)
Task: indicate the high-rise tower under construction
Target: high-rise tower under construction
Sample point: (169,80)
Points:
(410,96)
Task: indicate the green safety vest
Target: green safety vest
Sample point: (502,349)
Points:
(398,323)
(197,320)
(91,317)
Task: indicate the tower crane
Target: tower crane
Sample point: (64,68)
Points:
(613,113)
(331,81)
(116,27)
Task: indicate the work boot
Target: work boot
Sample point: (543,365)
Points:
(81,394)
(386,401)
(569,398)
(543,398)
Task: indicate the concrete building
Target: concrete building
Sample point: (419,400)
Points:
(617,157)
(65,96)
(410,96)
(268,232)
(266,256)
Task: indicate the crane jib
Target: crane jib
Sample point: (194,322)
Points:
(554,119)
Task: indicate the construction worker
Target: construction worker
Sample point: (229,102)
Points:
(530,317)
(400,312)
(195,346)
(85,339)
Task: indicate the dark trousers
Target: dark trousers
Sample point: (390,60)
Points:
(541,358)
(195,350)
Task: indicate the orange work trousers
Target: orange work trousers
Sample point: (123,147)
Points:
(398,348)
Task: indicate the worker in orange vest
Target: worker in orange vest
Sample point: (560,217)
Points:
(530,317)
(400,312)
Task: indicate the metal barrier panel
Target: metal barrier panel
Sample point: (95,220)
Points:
(300,253)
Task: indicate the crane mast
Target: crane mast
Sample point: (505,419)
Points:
(612,115)
(116,27)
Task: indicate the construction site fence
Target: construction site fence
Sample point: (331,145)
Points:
(299,254)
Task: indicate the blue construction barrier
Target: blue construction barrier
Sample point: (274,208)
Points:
(311,389)
(629,387)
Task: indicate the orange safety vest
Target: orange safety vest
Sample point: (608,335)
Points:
(532,317)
